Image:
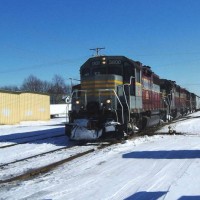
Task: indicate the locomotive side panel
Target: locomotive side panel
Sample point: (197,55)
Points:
(151,90)
(147,88)
(156,93)
(197,107)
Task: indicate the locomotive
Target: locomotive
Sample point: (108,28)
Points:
(118,96)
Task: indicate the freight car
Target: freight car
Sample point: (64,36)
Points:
(119,96)
(196,102)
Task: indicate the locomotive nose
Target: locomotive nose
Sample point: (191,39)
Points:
(92,107)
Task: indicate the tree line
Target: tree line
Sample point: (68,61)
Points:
(57,88)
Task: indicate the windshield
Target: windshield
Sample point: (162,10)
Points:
(116,70)
(98,70)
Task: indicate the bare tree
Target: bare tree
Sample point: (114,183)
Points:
(32,84)
(58,89)
(46,86)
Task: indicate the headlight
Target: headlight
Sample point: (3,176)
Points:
(108,101)
(103,61)
(77,102)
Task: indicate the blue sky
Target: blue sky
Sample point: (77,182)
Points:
(48,37)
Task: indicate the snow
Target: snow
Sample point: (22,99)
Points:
(59,109)
(189,125)
(158,167)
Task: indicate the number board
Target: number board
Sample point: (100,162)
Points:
(97,62)
(110,62)
(114,62)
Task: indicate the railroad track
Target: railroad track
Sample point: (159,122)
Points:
(34,156)
(28,173)
(44,169)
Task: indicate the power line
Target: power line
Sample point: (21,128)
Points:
(59,62)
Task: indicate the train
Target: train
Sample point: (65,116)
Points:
(118,96)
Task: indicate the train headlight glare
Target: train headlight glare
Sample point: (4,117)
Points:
(77,102)
(108,101)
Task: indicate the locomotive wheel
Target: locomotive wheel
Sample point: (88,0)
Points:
(131,126)
(142,123)
(120,132)
(130,129)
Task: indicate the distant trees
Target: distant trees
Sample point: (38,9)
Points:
(10,88)
(57,88)
(32,84)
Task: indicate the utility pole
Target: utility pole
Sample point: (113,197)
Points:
(71,80)
(97,50)
(71,85)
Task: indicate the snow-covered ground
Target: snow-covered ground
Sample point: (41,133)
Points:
(158,167)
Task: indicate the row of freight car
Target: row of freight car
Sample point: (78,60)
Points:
(178,100)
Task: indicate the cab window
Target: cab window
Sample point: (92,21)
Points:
(128,72)
(138,77)
(99,70)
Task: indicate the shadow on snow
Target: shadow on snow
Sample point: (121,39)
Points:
(189,198)
(146,195)
(54,136)
(173,154)
(156,195)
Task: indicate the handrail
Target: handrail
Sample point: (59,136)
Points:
(76,91)
(128,84)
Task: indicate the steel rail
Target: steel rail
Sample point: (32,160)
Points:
(47,168)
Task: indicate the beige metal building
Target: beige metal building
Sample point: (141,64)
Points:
(9,107)
(23,106)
